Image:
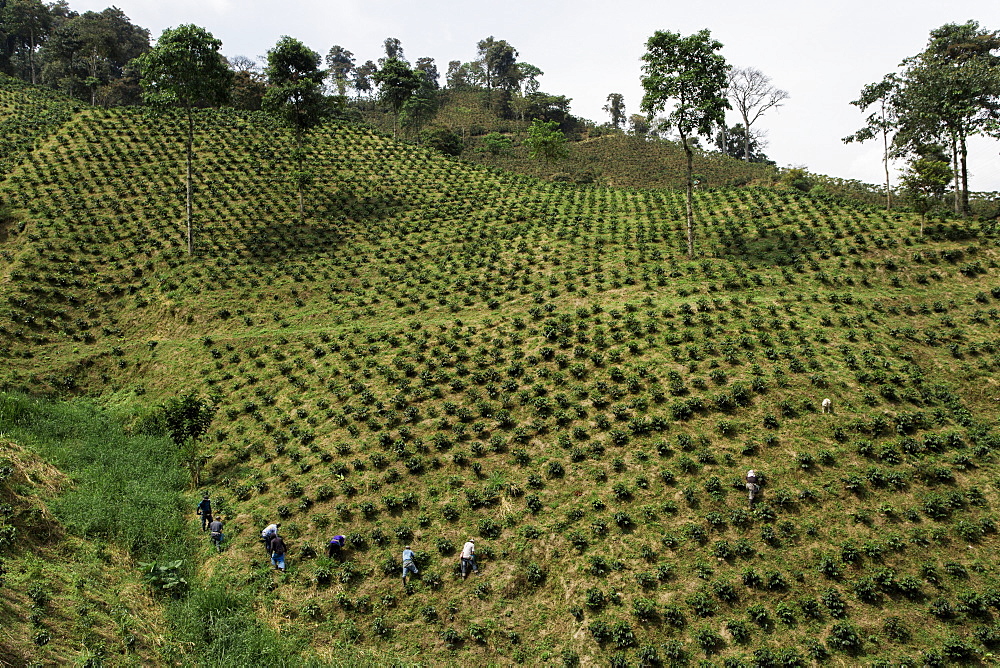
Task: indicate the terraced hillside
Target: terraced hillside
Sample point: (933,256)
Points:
(439,352)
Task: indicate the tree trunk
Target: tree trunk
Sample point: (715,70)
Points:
(190,203)
(746,140)
(31,54)
(963,157)
(689,195)
(954,166)
(301,176)
(885,163)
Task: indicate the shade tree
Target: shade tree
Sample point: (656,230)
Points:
(689,74)
(529,78)
(881,122)
(26,24)
(249,84)
(949,92)
(88,51)
(545,141)
(735,140)
(499,63)
(925,180)
(186,70)
(295,96)
(615,108)
(340,65)
(397,83)
(428,70)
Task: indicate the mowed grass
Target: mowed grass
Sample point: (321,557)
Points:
(440,352)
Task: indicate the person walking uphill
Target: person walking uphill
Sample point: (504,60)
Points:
(205,510)
(278,550)
(468,560)
(409,563)
(216,533)
(753,488)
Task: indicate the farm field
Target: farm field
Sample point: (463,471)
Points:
(440,351)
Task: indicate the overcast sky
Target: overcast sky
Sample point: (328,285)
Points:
(821,52)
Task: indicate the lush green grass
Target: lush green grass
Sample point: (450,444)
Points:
(128,488)
(440,351)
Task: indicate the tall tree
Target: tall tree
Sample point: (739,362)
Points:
(364,76)
(185,69)
(529,78)
(426,68)
(752,94)
(295,95)
(420,106)
(397,82)
(733,142)
(882,121)
(949,92)
(393,50)
(89,51)
(248,84)
(27,24)
(688,72)
(340,64)
(499,64)
(616,109)
(639,125)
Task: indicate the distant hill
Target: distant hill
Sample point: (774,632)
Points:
(441,351)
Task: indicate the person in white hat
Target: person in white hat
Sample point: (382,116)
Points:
(469,558)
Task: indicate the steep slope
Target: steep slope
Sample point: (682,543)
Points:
(441,352)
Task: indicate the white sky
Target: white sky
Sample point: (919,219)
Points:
(821,52)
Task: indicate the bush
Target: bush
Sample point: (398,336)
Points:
(844,637)
(443,140)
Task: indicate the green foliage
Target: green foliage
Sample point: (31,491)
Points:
(184,69)
(165,578)
(545,141)
(443,140)
(221,624)
(139,475)
(496,144)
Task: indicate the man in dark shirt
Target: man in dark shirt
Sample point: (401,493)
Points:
(205,510)
(278,550)
(215,527)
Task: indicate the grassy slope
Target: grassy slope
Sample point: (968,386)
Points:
(616,160)
(66,598)
(366,360)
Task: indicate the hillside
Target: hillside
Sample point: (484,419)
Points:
(441,351)
(596,155)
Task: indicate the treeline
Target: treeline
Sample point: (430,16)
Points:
(926,111)
(84,55)
(90,56)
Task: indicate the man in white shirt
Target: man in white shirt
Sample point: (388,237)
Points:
(469,558)
(268,534)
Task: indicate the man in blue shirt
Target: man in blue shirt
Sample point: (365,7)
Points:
(409,565)
(205,510)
